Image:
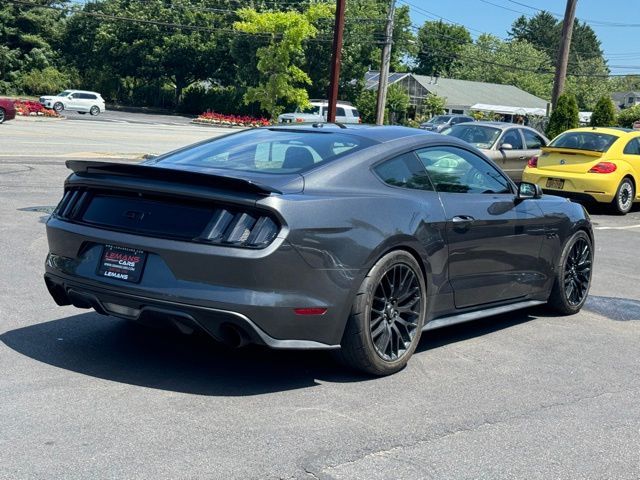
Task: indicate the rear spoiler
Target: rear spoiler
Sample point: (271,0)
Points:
(81,167)
(572,151)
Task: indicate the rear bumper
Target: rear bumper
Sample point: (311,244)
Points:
(257,290)
(585,187)
(223,325)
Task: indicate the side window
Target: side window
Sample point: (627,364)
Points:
(532,140)
(91,97)
(355,113)
(404,171)
(324,111)
(340,112)
(455,170)
(513,137)
(633,147)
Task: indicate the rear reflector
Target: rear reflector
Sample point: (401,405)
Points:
(604,167)
(533,162)
(310,311)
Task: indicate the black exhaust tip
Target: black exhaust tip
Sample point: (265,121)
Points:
(233,336)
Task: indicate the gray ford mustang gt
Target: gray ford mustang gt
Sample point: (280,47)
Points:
(315,237)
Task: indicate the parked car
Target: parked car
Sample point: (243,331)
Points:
(508,144)
(317,113)
(591,164)
(7,110)
(79,100)
(353,239)
(441,122)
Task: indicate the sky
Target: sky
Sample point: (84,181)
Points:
(616,22)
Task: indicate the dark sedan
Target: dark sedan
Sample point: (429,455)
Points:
(7,110)
(356,239)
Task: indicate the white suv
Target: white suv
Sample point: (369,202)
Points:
(78,100)
(317,113)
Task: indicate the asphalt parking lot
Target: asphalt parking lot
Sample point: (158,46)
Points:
(521,396)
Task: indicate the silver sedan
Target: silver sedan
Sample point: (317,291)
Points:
(508,144)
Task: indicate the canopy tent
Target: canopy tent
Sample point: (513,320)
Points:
(506,110)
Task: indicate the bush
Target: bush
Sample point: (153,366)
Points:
(604,115)
(629,115)
(46,81)
(564,116)
(228,100)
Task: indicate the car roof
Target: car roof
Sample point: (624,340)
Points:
(81,91)
(376,133)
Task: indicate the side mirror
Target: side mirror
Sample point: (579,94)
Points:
(528,190)
(506,146)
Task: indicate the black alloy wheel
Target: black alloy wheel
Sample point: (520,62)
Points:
(395,312)
(387,316)
(577,272)
(2,115)
(95,110)
(573,276)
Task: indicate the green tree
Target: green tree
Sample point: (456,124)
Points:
(564,116)
(277,61)
(439,44)
(544,31)
(434,105)
(604,115)
(629,115)
(515,62)
(29,40)
(397,102)
(366,105)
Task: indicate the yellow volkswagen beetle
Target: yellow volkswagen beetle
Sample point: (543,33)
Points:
(593,163)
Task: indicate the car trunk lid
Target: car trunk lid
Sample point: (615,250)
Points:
(568,159)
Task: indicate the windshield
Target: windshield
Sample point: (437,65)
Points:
(267,151)
(595,142)
(477,135)
(312,110)
(63,94)
(439,119)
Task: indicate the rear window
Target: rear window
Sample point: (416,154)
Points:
(479,136)
(593,141)
(267,151)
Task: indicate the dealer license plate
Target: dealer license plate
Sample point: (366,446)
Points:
(556,183)
(122,263)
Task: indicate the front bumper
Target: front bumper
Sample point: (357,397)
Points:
(577,186)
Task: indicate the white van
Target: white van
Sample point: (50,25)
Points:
(317,113)
(79,100)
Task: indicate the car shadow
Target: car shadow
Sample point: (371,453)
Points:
(121,351)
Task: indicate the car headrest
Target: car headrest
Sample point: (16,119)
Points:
(298,158)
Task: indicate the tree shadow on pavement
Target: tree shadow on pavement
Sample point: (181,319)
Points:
(126,352)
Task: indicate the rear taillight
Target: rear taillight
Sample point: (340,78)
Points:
(533,162)
(240,229)
(604,167)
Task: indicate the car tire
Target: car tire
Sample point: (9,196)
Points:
(95,110)
(58,107)
(3,115)
(625,195)
(573,275)
(387,316)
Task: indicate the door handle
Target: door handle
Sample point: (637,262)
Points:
(463,219)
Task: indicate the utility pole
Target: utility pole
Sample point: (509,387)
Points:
(335,60)
(563,53)
(383,78)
